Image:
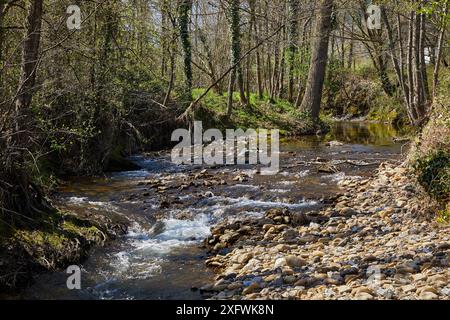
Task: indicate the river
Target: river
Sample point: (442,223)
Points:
(171,209)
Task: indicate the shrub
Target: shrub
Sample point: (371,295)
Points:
(433,173)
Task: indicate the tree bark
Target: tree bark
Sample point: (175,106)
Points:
(258,56)
(319,58)
(350,49)
(30,59)
(395,61)
(293,7)
(439,51)
(164,36)
(409,63)
(419,97)
(184,17)
(423,65)
(2,9)
(235,56)
(210,61)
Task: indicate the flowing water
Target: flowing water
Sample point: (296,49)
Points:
(161,256)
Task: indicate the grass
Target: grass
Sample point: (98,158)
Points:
(261,113)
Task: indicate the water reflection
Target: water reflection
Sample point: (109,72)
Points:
(362,133)
(355,133)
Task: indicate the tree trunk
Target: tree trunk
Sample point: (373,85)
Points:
(184,17)
(439,51)
(377,52)
(419,97)
(350,49)
(280,88)
(423,65)
(409,63)
(276,63)
(319,58)
(2,8)
(235,55)
(210,61)
(395,61)
(230,92)
(249,61)
(30,59)
(293,7)
(400,45)
(164,36)
(258,56)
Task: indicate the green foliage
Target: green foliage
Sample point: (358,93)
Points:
(300,61)
(333,82)
(433,173)
(437,7)
(386,109)
(443,216)
(280,113)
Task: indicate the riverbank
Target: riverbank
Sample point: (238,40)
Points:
(51,242)
(267,113)
(378,240)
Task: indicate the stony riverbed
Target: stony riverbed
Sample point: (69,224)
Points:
(376,241)
(321,228)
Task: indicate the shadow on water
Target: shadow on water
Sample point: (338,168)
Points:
(162,258)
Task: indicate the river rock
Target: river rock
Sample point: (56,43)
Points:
(295,262)
(253,287)
(359,229)
(408,288)
(291,261)
(364,296)
(428,296)
(360,290)
(334,144)
(344,289)
(347,212)
(289,279)
(234,286)
(243,258)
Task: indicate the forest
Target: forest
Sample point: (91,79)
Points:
(92,90)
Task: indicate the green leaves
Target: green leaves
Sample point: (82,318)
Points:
(439,8)
(433,173)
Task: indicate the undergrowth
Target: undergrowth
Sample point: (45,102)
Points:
(260,113)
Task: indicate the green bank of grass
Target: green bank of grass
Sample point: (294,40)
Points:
(430,155)
(260,113)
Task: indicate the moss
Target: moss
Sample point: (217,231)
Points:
(38,238)
(49,242)
(89,232)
